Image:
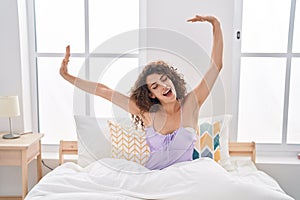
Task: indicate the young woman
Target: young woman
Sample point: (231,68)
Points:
(159,102)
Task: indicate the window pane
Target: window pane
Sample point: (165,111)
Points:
(296,39)
(265,26)
(262,82)
(56,100)
(293,131)
(110,18)
(59,23)
(120,75)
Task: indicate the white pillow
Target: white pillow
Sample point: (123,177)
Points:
(223,137)
(93,139)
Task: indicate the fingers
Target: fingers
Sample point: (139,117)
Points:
(201,18)
(64,64)
(196,18)
(68,49)
(192,20)
(67,55)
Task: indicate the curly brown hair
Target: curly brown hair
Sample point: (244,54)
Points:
(140,92)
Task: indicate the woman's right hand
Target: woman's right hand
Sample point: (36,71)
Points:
(64,65)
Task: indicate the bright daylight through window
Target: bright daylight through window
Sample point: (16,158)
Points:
(270,64)
(83,25)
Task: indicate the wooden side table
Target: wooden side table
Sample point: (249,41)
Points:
(20,152)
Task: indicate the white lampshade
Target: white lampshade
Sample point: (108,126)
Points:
(9,106)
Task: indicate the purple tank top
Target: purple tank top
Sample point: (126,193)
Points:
(166,150)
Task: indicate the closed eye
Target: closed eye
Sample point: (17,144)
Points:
(163,78)
(154,86)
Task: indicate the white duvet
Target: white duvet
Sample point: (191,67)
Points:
(120,179)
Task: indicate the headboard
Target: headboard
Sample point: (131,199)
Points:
(235,149)
(67,148)
(243,149)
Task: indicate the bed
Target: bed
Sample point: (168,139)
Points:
(115,178)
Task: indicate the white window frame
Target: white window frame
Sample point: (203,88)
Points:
(33,55)
(263,149)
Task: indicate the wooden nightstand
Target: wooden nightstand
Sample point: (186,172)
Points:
(20,152)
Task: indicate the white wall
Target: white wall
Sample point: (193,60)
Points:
(10,76)
(287,175)
(170,14)
(11,79)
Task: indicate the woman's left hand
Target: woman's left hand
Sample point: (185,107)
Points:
(199,18)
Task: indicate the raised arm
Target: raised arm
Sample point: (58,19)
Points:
(97,88)
(203,89)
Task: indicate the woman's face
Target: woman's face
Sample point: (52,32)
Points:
(161,87)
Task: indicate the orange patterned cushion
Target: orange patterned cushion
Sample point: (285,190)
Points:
(128,142)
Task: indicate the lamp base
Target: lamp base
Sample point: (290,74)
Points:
(11,136)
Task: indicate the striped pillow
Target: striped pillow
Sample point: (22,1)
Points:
(128,142)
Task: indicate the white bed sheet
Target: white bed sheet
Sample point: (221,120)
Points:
(121,179)
(246,170)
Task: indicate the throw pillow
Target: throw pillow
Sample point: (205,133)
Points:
(128,143)
(212,138)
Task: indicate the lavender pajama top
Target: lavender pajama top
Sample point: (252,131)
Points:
(168,149)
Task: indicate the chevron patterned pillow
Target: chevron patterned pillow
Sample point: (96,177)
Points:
(128,142)
(212,138)
(209,138)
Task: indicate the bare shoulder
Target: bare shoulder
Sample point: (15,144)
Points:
(147,118)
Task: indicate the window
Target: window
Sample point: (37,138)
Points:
(269,96)
(86,25)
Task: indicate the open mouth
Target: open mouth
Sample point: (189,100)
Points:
(168,92)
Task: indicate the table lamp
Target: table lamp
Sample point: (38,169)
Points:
(9,107)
